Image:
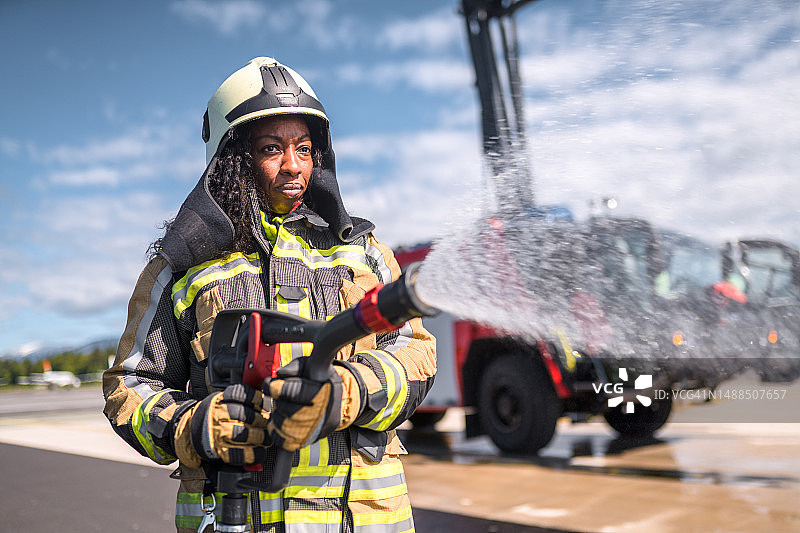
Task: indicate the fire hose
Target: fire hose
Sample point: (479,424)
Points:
(245,346)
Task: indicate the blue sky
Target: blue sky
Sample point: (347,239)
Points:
(685,111)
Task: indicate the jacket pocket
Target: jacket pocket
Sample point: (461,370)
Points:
(378,494)
(207,306)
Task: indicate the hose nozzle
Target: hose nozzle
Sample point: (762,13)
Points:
(387,307)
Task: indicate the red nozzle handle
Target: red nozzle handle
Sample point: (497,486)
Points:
(369,316)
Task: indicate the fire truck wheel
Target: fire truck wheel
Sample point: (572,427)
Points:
(643,422)
(517,404)
(426,419)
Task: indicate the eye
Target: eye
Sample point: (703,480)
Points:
(270,149)
(304,149)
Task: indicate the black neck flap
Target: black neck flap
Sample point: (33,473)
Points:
(201,230)
(324,198)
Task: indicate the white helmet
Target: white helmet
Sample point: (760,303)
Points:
(263,87)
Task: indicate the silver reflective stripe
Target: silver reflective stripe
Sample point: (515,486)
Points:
(396,390)
(403,526)
(383,269)
(269,503)
(141,419)
(318,481)
(189,509)
(131,380)
(195,510)
(315,434)
(403,339)
(293,308)
(314,452)
(307,527)
(393,480)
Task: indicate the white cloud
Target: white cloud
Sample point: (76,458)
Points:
(324,23)
(693,127)
(226,17)
(140,154)
(91,176)
(95,247)
(425,179)
(138,143)
(10,147)
(316,20)
(429,33)
(430,75)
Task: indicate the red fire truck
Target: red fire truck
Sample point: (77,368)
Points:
(514,389)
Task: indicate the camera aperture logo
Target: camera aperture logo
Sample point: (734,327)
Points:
(616,391)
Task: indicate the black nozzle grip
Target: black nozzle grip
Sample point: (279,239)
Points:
(281,470)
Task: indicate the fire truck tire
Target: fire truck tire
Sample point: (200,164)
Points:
(643,422)
(517,404)
(426,419)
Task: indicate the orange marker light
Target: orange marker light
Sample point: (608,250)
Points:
(772,337)
(677,338)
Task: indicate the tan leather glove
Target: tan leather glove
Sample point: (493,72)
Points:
(229,426)
(305,410)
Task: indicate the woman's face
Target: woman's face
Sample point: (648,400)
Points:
(281,150)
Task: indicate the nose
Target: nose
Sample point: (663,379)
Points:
(290,164)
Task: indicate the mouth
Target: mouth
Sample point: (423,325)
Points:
(291,189)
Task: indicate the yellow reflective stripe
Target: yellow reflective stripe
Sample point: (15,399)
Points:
(317,482)
(314,492)
(396,391)
(181,283)
(378,494)
(304,456)
(291,239)
(382,517)
(139,420)
(288,245)
(314,263)
(271,505)
(268,517)
(321,451)
(324,451)
(189,512)
(302,309)
(181,305)
(326,470)
(183,296)
(188,522)
(284,348)
(377,482)
(286,353)
(320,471)
(376,471)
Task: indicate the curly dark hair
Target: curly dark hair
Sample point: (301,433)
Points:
(229,183)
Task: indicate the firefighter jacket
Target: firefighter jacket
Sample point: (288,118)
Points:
(351,481)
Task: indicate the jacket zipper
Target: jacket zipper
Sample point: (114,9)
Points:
(265,255)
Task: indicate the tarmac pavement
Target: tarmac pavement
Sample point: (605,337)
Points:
(692,477)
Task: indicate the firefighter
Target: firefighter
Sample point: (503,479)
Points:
(265,227)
